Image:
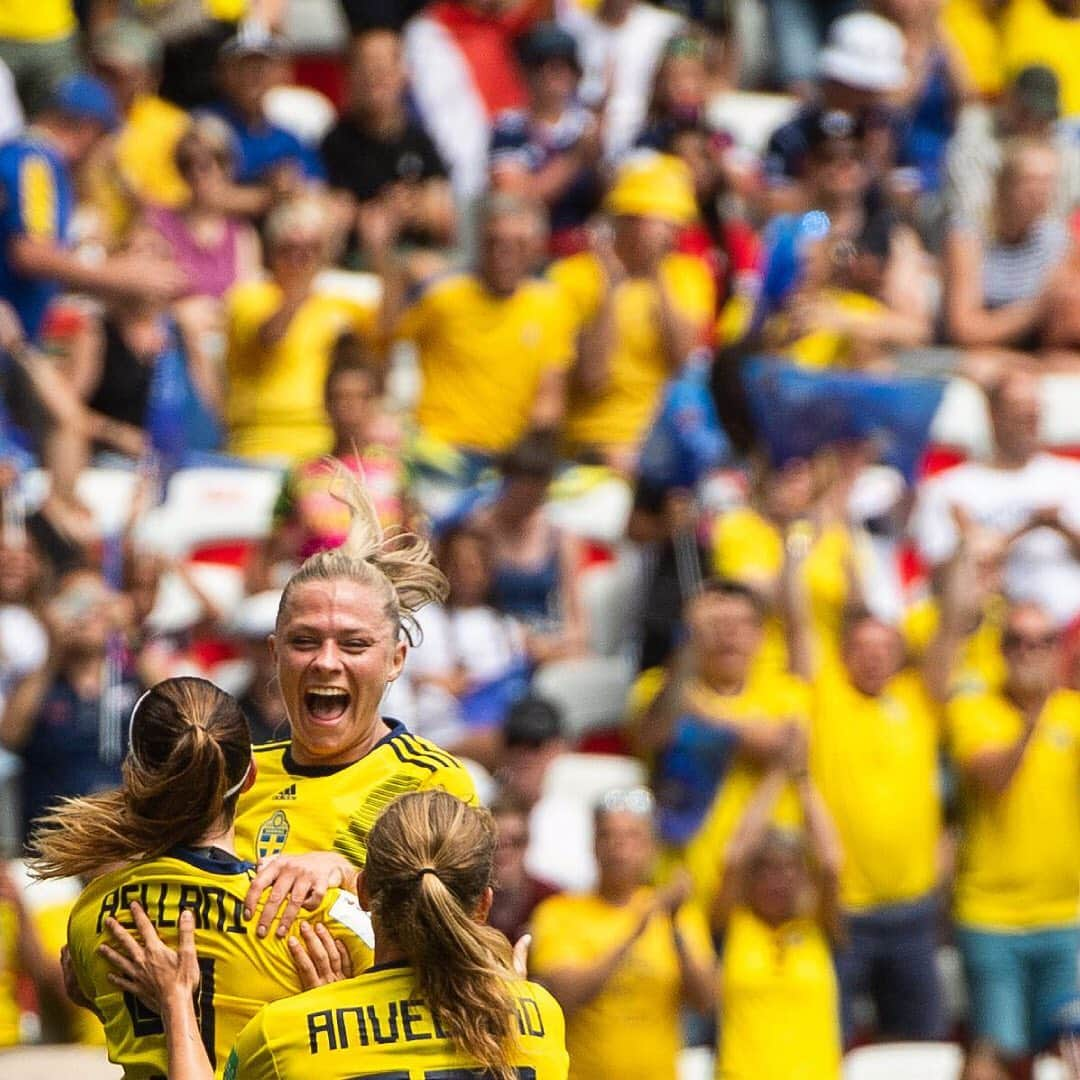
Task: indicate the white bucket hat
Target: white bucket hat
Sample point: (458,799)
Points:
(865,52)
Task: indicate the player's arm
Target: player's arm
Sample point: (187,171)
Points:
(165,981)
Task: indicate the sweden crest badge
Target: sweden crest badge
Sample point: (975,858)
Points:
(272,835)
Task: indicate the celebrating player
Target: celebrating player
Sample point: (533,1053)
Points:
(341,637)
(166,840)
(441,1000)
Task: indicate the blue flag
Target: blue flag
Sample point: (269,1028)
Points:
(797,411)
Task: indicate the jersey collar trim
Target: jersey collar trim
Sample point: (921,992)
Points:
(203,860)
(390,965)
(295,769)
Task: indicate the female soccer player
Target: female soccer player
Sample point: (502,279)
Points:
(341,637)
(442,1001)
(166,839)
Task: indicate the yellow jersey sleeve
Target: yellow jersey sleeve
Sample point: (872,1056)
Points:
(691,288)
(580,284)
(976,723)
(38,198)
(247,307)
(554,943)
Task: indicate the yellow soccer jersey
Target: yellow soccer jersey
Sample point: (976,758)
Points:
(295,808)
(240,973)
(375,1026)
(9,972)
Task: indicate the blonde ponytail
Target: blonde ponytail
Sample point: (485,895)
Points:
(399,564)
(429,861)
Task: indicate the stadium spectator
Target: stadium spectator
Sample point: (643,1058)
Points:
(493,343)
(270,163)
(748,546)
(998,273)
(532,738)
(517,892)
(367,441)
(550,149)
(117,366)
(777,910)
(929,104)
(535,566)
(623,959)
(39,44)
(1044,32)
(864,290)
(1016,885)
(22,958)
(713,722)
(1029,108)
(638,307)
(64,720)
(1023,495)
(888,818)
(620,43)
(377,152)
(463,73)
(680,90)
(281,335)
(251,625)
(214,248)
(861,65)
(137,168)
(38,196)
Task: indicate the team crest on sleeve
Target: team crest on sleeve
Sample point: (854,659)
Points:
(273,833)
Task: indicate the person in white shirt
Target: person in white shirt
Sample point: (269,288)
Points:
(619,46)
(1030,499)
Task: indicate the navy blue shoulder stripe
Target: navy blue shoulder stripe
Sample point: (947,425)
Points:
(405,759)
(426,750)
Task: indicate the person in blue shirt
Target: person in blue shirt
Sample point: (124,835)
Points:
(67,721)
(266,157)
(37,201)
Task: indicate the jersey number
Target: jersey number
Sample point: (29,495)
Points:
(145,1021)
(525,1072)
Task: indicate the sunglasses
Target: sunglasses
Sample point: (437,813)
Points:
(637,800)
(1010,640)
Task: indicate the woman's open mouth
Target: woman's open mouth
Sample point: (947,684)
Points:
(326,703)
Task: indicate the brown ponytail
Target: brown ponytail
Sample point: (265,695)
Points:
(429,861)
(190,750)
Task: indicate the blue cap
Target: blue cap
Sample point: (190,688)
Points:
(85,98)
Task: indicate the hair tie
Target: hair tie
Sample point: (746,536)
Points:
(131,746)
(131,724)
(426,870)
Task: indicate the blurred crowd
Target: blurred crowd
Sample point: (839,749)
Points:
(643,314)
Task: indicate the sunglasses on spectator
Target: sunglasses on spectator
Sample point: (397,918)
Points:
(1011,640)
(637,801)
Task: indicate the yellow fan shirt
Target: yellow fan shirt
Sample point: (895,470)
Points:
(10,1011)
(779,1008)
(975,33)
(1019,864)
(875,762)
(630,1030)
(748,548)
(274,396)
(295,808)
(621,414)
(240,972)
(37,20)
(376,1026)
(1032,33)
(482,358)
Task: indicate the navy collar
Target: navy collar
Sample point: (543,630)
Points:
(390,965)
(213,860)
(294,768)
